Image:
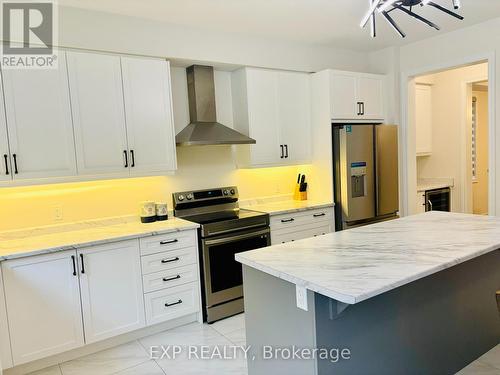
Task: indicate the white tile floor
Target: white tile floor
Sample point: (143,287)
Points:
(134,358)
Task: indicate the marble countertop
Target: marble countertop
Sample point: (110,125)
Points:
(425,184)
(35,241)
(354,265)
(284,207)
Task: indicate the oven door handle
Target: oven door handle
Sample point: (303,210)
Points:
(239,229)
(239,237)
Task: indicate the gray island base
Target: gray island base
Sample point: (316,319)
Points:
(435,324)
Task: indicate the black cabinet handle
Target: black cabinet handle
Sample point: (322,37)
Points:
(173,304)
(362,108)
(6,159)
(359,108)
(319,215)
(282,152)
(73,259)
(126,158)
(83,264)
(133,158)
(172,278)
(286,151)
(169,242)
(287,220)
(170,260)
(15,163)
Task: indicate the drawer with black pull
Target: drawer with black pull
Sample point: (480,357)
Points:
(301,218)
(171,303)
(166,242)
(170,278)
(168,260)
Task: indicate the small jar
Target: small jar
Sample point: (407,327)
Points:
(148,212)
(161,211)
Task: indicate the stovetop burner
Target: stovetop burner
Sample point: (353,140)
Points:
(217,211)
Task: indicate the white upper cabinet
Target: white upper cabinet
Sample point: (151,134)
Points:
(343,96)
(423,119)
(273,108)
(357,96)
(370,92)
(295,116)
(43,305)
(39,122)
(111,289)
(98,113)
(5,167)
(148,110)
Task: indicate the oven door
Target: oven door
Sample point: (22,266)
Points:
(222,273)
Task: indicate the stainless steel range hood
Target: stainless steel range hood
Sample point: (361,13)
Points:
(204,128)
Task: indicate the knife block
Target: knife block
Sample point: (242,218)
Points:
(296,193)
(302,196)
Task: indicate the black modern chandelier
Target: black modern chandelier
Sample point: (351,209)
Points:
(386,7)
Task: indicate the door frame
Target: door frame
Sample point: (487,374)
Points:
(407,134)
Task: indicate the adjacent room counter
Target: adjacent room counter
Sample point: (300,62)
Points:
(35,241)
(408,296)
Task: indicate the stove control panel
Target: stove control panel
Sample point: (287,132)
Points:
(229,192)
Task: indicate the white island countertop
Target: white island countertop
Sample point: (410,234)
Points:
(49,239)
(354,265)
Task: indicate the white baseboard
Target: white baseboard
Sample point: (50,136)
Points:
(102,345)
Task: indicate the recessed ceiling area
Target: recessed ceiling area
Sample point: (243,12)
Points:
(333,23)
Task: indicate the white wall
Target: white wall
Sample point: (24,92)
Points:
(109,32)
(449,158)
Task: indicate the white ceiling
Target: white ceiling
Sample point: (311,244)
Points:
(333,23)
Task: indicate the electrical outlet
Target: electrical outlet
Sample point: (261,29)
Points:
(301,294)
(57,213)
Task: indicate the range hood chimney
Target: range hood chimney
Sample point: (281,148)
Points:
(204,128)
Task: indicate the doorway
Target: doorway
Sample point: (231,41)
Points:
(448,138)
(477,97)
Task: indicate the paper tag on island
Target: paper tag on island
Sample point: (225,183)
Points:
(301,294)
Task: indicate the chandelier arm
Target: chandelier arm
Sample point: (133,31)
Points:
(393,24)
(416,16)
(447,11)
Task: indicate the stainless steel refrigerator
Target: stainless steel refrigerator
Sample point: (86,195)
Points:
(366,182)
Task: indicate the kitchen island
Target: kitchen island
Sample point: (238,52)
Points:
(409,296)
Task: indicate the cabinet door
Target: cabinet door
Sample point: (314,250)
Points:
(111,287)
(148,109)
(423,119)
(39,122)
(98,113)
(295,116)
(263,116)
(43,305)
(5,168)
(343,96)
(370,92)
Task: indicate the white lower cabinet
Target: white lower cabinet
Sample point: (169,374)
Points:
(421,203)
(65,300)
(170,276)
(300,225)
(43,305)
(172,303)
(111,287)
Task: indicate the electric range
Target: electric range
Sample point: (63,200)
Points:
(225,230)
